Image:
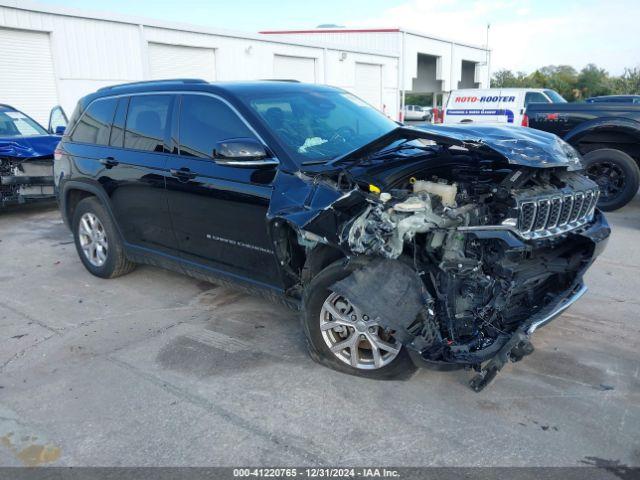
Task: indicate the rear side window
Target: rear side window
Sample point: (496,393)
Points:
(203,122)
(94,126)
(535,97)
(147,120)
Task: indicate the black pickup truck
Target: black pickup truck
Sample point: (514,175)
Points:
(608,137)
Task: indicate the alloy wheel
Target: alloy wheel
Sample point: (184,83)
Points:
(93,239)
(354,337)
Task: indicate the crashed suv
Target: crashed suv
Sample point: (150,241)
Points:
(26,157)
(443,247)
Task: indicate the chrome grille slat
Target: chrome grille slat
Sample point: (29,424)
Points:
(542,215)
(577,206)
(565,212)
(588,196)
(555,214)
(527,216)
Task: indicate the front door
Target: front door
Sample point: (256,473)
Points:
(219,211)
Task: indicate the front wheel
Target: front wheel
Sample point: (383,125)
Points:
(344,338)
(616,174)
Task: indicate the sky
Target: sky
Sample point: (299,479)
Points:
(523,35)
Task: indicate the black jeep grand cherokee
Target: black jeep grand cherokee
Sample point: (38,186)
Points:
(442,247)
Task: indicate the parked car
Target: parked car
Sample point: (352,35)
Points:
(615,99)
(495,105)
(417,112)
(608,137)
(443,247)
(26,156)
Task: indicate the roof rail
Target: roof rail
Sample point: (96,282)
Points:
(152,82)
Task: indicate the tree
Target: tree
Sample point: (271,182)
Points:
(564,79)
(506,79)
(593,81)
(628,83)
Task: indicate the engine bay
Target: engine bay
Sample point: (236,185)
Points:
(478,288)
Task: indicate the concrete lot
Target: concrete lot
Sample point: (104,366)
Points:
(159,369)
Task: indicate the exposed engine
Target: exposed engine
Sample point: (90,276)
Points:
(480,287)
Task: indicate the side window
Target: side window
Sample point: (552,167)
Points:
(94,126)
(117,130)
(147,122)
(534,97)
(203,122)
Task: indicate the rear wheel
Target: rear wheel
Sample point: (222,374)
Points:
(97,241)
(616,174)
(343,337)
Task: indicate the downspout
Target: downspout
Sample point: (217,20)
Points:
(144,54)
(402,74)
(325,66)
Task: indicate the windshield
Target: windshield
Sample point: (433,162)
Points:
(554,96)
(318,126)
(17,124)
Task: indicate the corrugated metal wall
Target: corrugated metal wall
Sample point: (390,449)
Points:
(90,53)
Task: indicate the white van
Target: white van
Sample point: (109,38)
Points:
(495,105)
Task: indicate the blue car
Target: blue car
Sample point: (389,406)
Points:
(26,155)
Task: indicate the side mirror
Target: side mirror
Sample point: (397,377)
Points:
(242,152)
(60,130)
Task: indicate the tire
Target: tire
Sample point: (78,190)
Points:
(317,291)
(617,175)
(115,263)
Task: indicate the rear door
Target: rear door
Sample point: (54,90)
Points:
(219,212)
(129,162)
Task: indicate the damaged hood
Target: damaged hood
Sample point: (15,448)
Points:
(28,147)
(518,145)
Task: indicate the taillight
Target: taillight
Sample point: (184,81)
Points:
(437,115)
(57,153)
(525,120)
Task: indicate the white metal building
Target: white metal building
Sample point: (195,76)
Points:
(53,56)
(427,64)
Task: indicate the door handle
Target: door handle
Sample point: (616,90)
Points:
(109,162)
(182,174)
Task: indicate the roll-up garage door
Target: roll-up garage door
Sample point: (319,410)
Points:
(27,80)
(177,61)
(287,67)
(368,84)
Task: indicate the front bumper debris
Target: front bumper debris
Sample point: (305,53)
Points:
(517,345)
(25,180)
